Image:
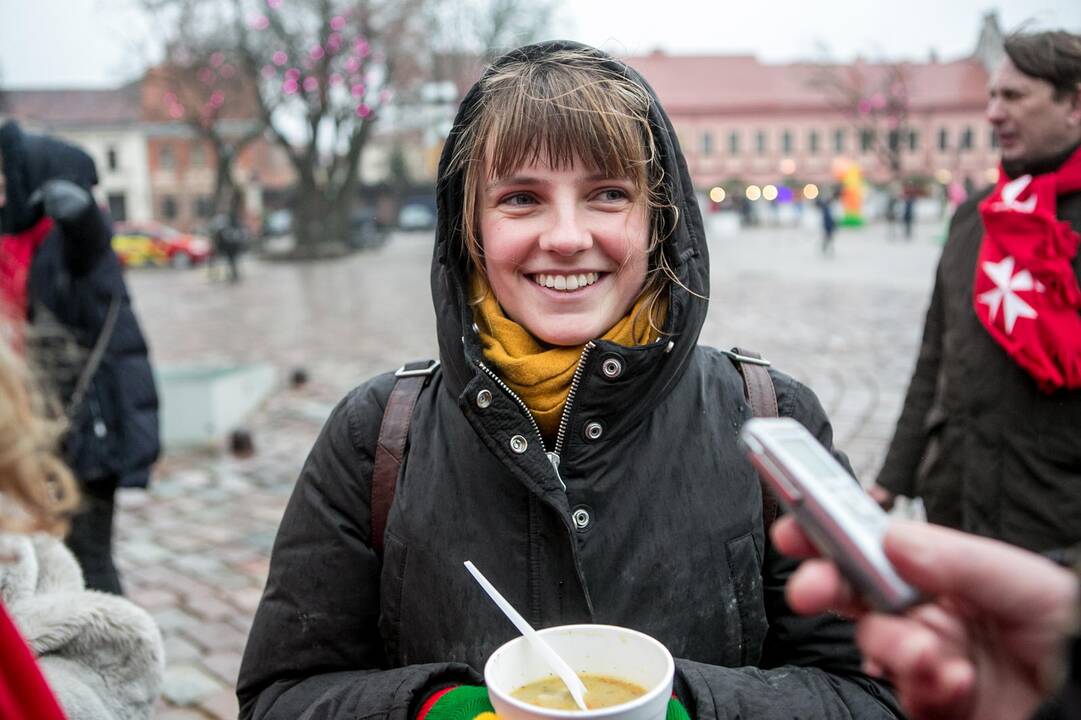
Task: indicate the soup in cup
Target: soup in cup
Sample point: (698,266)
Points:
(617,664)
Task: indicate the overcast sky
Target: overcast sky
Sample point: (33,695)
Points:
(72,43)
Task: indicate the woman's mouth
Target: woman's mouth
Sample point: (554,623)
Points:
(565,282)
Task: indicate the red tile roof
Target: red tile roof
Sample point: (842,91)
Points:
(114,106)
(736,84)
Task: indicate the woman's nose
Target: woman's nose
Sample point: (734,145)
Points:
(567,234)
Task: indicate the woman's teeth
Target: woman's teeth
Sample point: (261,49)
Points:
(565,282)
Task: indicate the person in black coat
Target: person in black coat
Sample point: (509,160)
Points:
(72,312)
(576,442)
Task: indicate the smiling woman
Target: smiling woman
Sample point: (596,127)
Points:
(576,443)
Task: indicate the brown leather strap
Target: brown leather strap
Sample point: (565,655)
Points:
(762,397)
(393,434)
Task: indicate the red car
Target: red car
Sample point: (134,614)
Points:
(151,243)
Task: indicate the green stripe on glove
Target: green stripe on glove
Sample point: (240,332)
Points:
(467,702)
(464,702)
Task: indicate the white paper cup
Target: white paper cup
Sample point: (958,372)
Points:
(596,649)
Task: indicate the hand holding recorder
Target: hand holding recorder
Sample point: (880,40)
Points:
(986,648)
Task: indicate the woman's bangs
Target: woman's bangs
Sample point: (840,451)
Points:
(560,131)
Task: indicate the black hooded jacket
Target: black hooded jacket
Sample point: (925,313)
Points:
(673,545)
(74,278)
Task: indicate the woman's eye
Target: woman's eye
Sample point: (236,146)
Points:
(612,195)
(517,200)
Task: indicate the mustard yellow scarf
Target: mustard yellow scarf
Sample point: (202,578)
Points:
(538,373)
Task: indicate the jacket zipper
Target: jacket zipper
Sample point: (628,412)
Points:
(564,419)
(576,380)
(528,414)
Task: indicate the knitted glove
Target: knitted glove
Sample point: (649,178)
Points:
(463,702)
(470,702)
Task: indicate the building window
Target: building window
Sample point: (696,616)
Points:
(867,139)
(760,142)
(812,142)
(198,155)
(118,206)
(166,161)
(111,160)
(203,207)
(913,140)
(893,138)
(966,139)
(839,140)
(168,207)
(733,143)
(786,142)
(943,139)
(707,143)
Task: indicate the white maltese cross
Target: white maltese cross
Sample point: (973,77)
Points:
(1010,193)
(1007,284)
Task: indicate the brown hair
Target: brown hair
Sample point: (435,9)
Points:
(1053,56)
(37,492)
(564,106)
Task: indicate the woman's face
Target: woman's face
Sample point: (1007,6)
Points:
(565,250)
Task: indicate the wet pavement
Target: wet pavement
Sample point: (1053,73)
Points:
(194,549)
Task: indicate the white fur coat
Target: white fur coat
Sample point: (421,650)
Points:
(102,655)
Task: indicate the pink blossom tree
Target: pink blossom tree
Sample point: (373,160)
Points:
(321,72)
(326,69)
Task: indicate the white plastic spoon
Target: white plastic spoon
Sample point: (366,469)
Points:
(558,664)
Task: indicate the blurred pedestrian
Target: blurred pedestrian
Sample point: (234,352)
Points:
(892,202)
(229,240)
(829,224)
(993,642)
(64,290)
(988,433)
(908,211)
(552,446)
(98,655)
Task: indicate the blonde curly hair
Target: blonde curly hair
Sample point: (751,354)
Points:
(37,491)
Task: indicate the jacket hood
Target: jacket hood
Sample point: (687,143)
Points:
(685,247)
(28,161)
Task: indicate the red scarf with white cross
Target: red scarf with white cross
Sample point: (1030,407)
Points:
(1025,291)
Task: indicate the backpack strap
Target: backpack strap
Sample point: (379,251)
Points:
(762,397)
(409,380)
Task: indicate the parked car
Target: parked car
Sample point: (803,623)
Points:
(416,216)
(365,232)
(152,243)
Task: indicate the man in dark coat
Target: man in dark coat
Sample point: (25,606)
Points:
(988,436)
(67,300)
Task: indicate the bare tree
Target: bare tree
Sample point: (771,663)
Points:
(320,72)
(875,100)
(327,68)
(202,83)
(465,34)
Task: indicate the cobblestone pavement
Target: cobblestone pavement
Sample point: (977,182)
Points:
(194,549)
